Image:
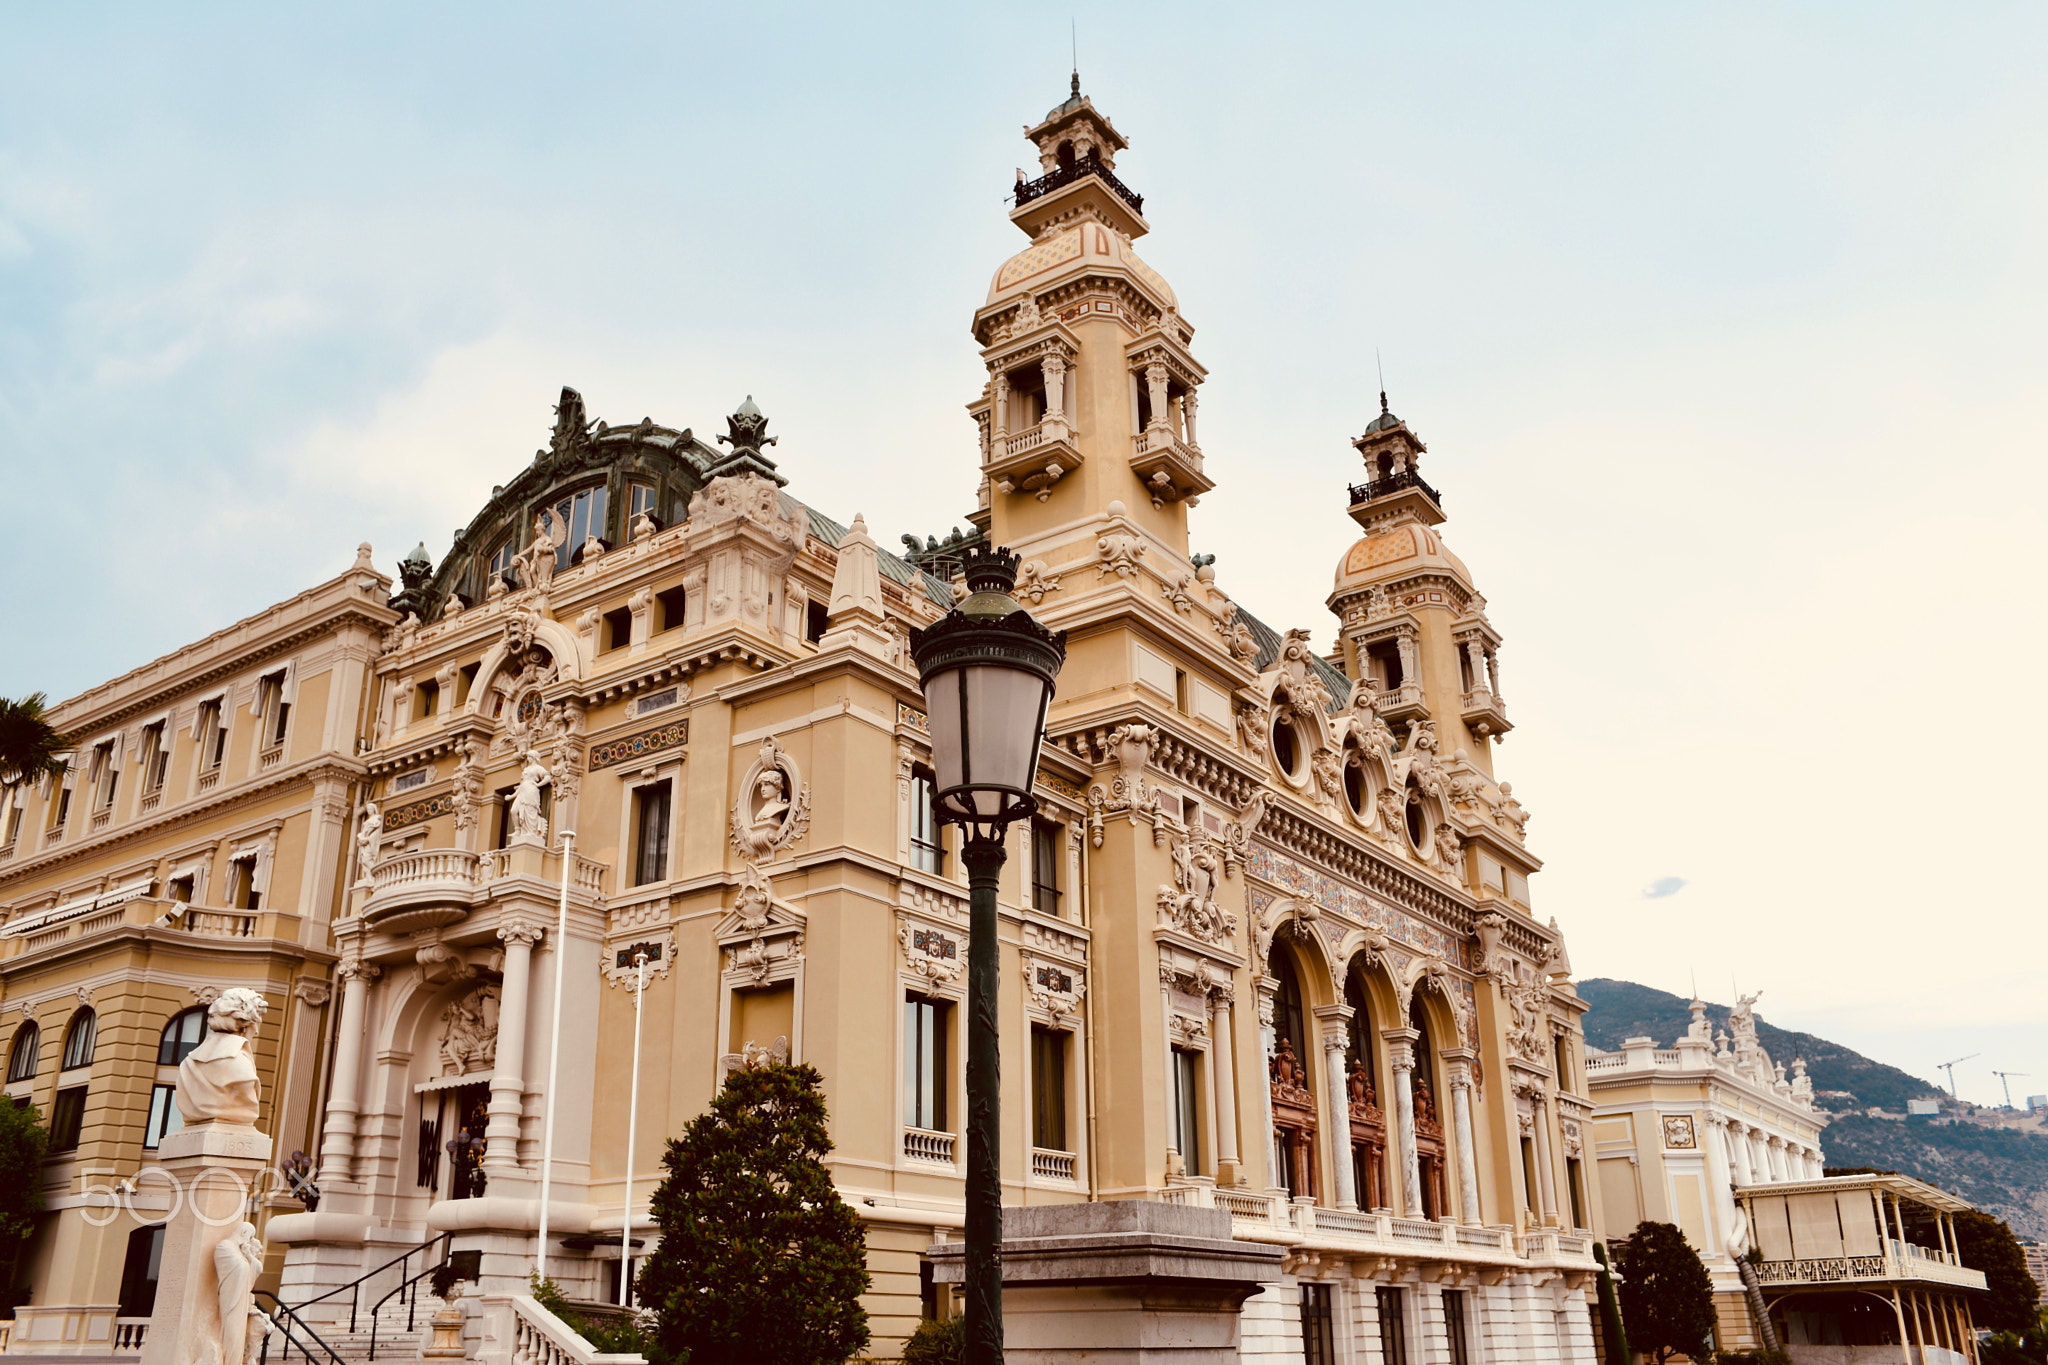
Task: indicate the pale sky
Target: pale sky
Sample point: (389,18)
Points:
(1724,325)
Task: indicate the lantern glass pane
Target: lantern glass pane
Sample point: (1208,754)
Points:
(942,706)
(1004,706)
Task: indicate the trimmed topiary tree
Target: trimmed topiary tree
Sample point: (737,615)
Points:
(761,1262)
(1667,1298)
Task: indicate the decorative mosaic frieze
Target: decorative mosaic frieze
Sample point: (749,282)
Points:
(906,714)
(419,812)
(626,748)
(1056,783)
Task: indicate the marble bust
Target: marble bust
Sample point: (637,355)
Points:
(217,1083)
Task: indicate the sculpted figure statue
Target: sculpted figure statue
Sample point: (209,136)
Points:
(526,821)
(368,838)
(237,1261)
(217,1083)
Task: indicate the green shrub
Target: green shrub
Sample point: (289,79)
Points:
(937,1343)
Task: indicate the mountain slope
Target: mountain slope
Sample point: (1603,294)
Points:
(2005,1173)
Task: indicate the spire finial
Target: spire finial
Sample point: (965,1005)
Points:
(1074,47)
(1381,366)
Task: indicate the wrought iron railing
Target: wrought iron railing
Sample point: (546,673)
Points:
(1393,483)
(297,1334)
(354,1288)
(1062,176)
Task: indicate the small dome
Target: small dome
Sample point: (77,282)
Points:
(747,409)
(1397,552)
(1383,421)
(419,555)
(1086,245)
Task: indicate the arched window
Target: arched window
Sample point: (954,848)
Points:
(79,1037)
(186,1031)
(1432,1151)
(1066,156)
(28,1047)
(1363,1098)
(1294,1108)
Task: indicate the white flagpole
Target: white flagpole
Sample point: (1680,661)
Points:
(547,1142)
(632,1121)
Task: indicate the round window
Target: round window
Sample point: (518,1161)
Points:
(529,708)
(1416,817)
(1286,749)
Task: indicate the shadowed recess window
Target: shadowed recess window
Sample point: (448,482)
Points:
(164,1117)
(1393,1335)
(670,605)
(186,1031)
(1454,1326)
(67,1119)
(79,1038)
(650,832)
(1045,866)
(1318,1333)
(927,853)
(139,1271)
(924,1063)
(1048,1088)
(1187,1112)
(23,1056)
(618,628)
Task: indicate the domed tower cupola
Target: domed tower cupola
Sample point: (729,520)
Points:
(1393,490)
(1077,150)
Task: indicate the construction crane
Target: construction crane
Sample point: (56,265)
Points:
(1950,1068)
(2004,1079)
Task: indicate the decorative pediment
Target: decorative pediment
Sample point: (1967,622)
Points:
(756,912)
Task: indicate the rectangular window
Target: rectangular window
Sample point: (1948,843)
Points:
(67,1119)
(618,628)
(1045,866)
(498,566)
(426,700)
(816,620)
(1393,1334)
(63,806)
(1187,1113)
(105,776)
(164,1118)
(156,757)
(583,514)
(274,709)
(1454,1327)
(1383,663)
(669,605)
(1180,690)
(1561,1062)
(927,852)
(1529,1175)
(13,833)
(650,832)
(213,735)
(641,496)
(242,892)
(1318,1334)
(924,1063)
(1571,1178)
(1048,1088)
(180,888)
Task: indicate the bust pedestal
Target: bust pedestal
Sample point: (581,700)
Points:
(1126,1281)
(213,1167)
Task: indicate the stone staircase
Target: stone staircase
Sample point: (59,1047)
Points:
(394,1343)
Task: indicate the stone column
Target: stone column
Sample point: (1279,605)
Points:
(1759,1157)
(338,1136)
(1458,1072)
(1223,1047)
(1001,407)
(1723,1202)
(1155,386)
(1777,1154)
(1546,1185)
(1475,659)
(1264,1080)
(508,1072)
(1187,419)
(1174,1162)
(1337,1108)
(1738,1150)
(1054,368)
(1401,1060)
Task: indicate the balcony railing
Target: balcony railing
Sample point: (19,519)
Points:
(1051,1165)
(922,1144)
(1063,176)
(1393,483)
(1916,1265)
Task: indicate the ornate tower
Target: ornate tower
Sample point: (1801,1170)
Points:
(1090,400)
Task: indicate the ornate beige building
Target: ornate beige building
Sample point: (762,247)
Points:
(1268,946)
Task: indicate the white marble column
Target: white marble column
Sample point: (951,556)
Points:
(1187,419)
(1759,1157)
(1268,1043)
(1458,1071)
(1401,1061)
(1172,1087)
(338,1133)
(1337,1109)
(508,1071)
(1001,406)
(1546,1182)
(1155,386)
(1738,1152)
(1054,369)
(1721,1200)
(1223,1048)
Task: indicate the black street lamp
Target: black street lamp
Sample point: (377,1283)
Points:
(987,670)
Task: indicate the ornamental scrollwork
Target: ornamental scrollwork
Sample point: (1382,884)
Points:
(773,808)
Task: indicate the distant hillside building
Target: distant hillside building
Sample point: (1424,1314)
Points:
(2037,1265)
(1676,1131)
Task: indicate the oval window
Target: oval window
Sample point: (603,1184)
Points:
(1286,751)
(1416,817)
(1355,786)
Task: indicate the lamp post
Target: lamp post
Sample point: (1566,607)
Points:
(547,1141)
(632,1128)
(987,669)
